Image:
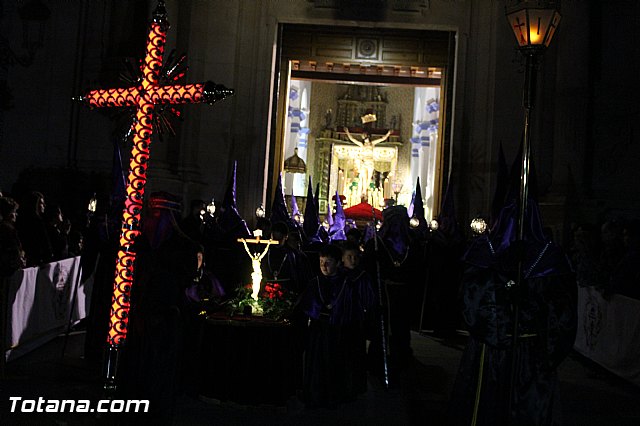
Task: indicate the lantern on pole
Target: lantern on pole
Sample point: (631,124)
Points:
(534,23)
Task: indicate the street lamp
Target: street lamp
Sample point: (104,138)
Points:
(534,23)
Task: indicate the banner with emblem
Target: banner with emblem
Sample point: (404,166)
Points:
(41,302)
(609,332)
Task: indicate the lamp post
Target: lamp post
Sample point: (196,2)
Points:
(534,23)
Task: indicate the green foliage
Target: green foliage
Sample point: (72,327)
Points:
(274,302)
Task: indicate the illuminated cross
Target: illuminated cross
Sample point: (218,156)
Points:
(143,97)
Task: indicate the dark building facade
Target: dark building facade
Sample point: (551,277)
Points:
(584,127)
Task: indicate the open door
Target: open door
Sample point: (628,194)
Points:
(361,114)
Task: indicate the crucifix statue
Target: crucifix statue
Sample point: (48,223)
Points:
(256,258)
(365,157)
(144,97)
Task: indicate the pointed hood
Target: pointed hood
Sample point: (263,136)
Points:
(229,199)
(159,227)
(506,229)
(447,222)
(230,222)
(311,226)
(294,206)
(418,207)
(411,204)
(311,218)
(279,212)
(295,212)
(394,231)
(497,250)
(336,230)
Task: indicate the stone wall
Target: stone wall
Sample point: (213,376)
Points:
(584,133)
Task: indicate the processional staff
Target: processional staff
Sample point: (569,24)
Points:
(383,328)
(534,24)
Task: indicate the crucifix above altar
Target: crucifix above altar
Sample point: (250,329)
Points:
(349,178)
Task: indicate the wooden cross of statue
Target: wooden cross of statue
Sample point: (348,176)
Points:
(144,97)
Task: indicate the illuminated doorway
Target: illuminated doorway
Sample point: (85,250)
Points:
(340,87)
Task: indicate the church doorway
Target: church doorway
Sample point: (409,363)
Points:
(363,113)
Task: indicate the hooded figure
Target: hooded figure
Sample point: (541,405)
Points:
(279,212)
(336,230)
(314,232)
(224,256)
(11,253)
(336,305)
(547,324)
(166,263)
(440,308)
(416,210)
(401,264)
(230,223)
(32,230)
(295,213)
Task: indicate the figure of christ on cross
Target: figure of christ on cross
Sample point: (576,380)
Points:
(143,97)
(256,258)
(365,157)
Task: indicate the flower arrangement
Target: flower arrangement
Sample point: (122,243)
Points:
(274,302)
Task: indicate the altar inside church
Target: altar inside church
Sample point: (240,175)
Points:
(346,170)
(365,142)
